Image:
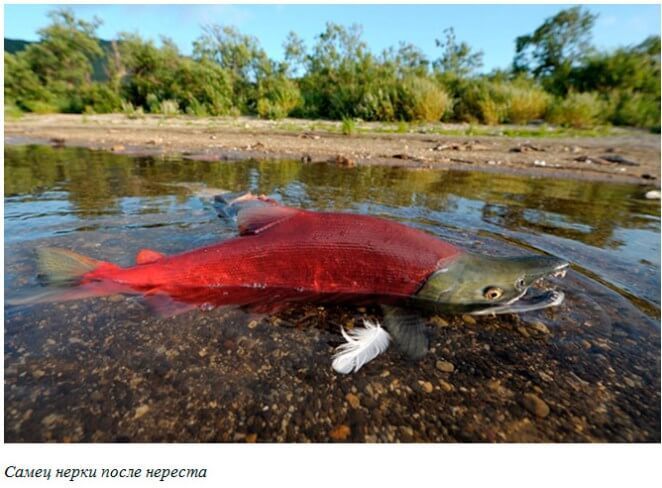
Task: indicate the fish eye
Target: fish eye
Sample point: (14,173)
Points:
(520,284)
(492,293)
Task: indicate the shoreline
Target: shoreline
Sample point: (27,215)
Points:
(625,156)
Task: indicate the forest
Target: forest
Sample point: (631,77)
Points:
(557,76)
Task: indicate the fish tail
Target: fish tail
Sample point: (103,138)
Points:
(63,267)
(63,271)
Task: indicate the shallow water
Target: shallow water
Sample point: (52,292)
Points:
(109,206)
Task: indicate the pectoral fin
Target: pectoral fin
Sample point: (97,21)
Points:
(407,329)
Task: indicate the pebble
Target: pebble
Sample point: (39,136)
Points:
(38,373)
(51,419)
(523,331)
(252,324)
(653,195)
(118,147)
(535,405)
(468,319)
(438,321)
(445,366)
(445,386)
(540,327)
(353,400)
(340,433)
(140,411)
(251,438)
(426,386)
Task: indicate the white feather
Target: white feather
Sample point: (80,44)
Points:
(363,345)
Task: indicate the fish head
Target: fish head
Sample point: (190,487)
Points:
(478,284)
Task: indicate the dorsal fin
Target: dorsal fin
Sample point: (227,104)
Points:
(253,220)
(146,256)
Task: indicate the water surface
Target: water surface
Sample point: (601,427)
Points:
(110,206)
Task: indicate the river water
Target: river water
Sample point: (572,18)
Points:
(106,369)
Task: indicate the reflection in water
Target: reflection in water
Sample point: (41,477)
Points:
(609,229)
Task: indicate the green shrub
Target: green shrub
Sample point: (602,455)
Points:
(277,97)
(40,107)
(527,104)
(12,111)
(196,108)
(132,112)
(577,110)
(169,108)
(348,127)
(634,109)
(423,99)
(376,104)
(99,98)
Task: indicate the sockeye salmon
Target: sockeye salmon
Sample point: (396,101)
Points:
(285,255)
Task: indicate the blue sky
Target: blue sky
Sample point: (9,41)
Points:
(491,28)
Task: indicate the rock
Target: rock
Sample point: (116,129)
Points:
(615,158)
(251,438)
(445,386)
(438,321)
(535,405)
(522,330)
(252,324)
(50,420)
(468,319)
(38,373)
(539,327)
(117,147)
(426,386)
(445,366)
(353,400)
(340,433)
(653,195)
(140,411)
(57,141)
(341,160)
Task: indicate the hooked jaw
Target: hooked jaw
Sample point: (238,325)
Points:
(484,285)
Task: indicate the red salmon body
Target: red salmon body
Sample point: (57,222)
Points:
(286,255)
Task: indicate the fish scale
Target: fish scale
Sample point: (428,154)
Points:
(317,252)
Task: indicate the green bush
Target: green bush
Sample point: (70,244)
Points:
(423,99)
(12,111)
(169,108)
(348,127)
(578,110)
(527,104)
(99,98)
(277,97)
(634,109)
(377,104)
(40,107)
(132,112)
(481,100)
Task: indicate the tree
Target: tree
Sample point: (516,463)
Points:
(65,51)
(295,54)
(457,59)
(238,54)
(551,51)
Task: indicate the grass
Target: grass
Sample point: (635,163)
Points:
(348,127)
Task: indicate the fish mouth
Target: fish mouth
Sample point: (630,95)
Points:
(532,298)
